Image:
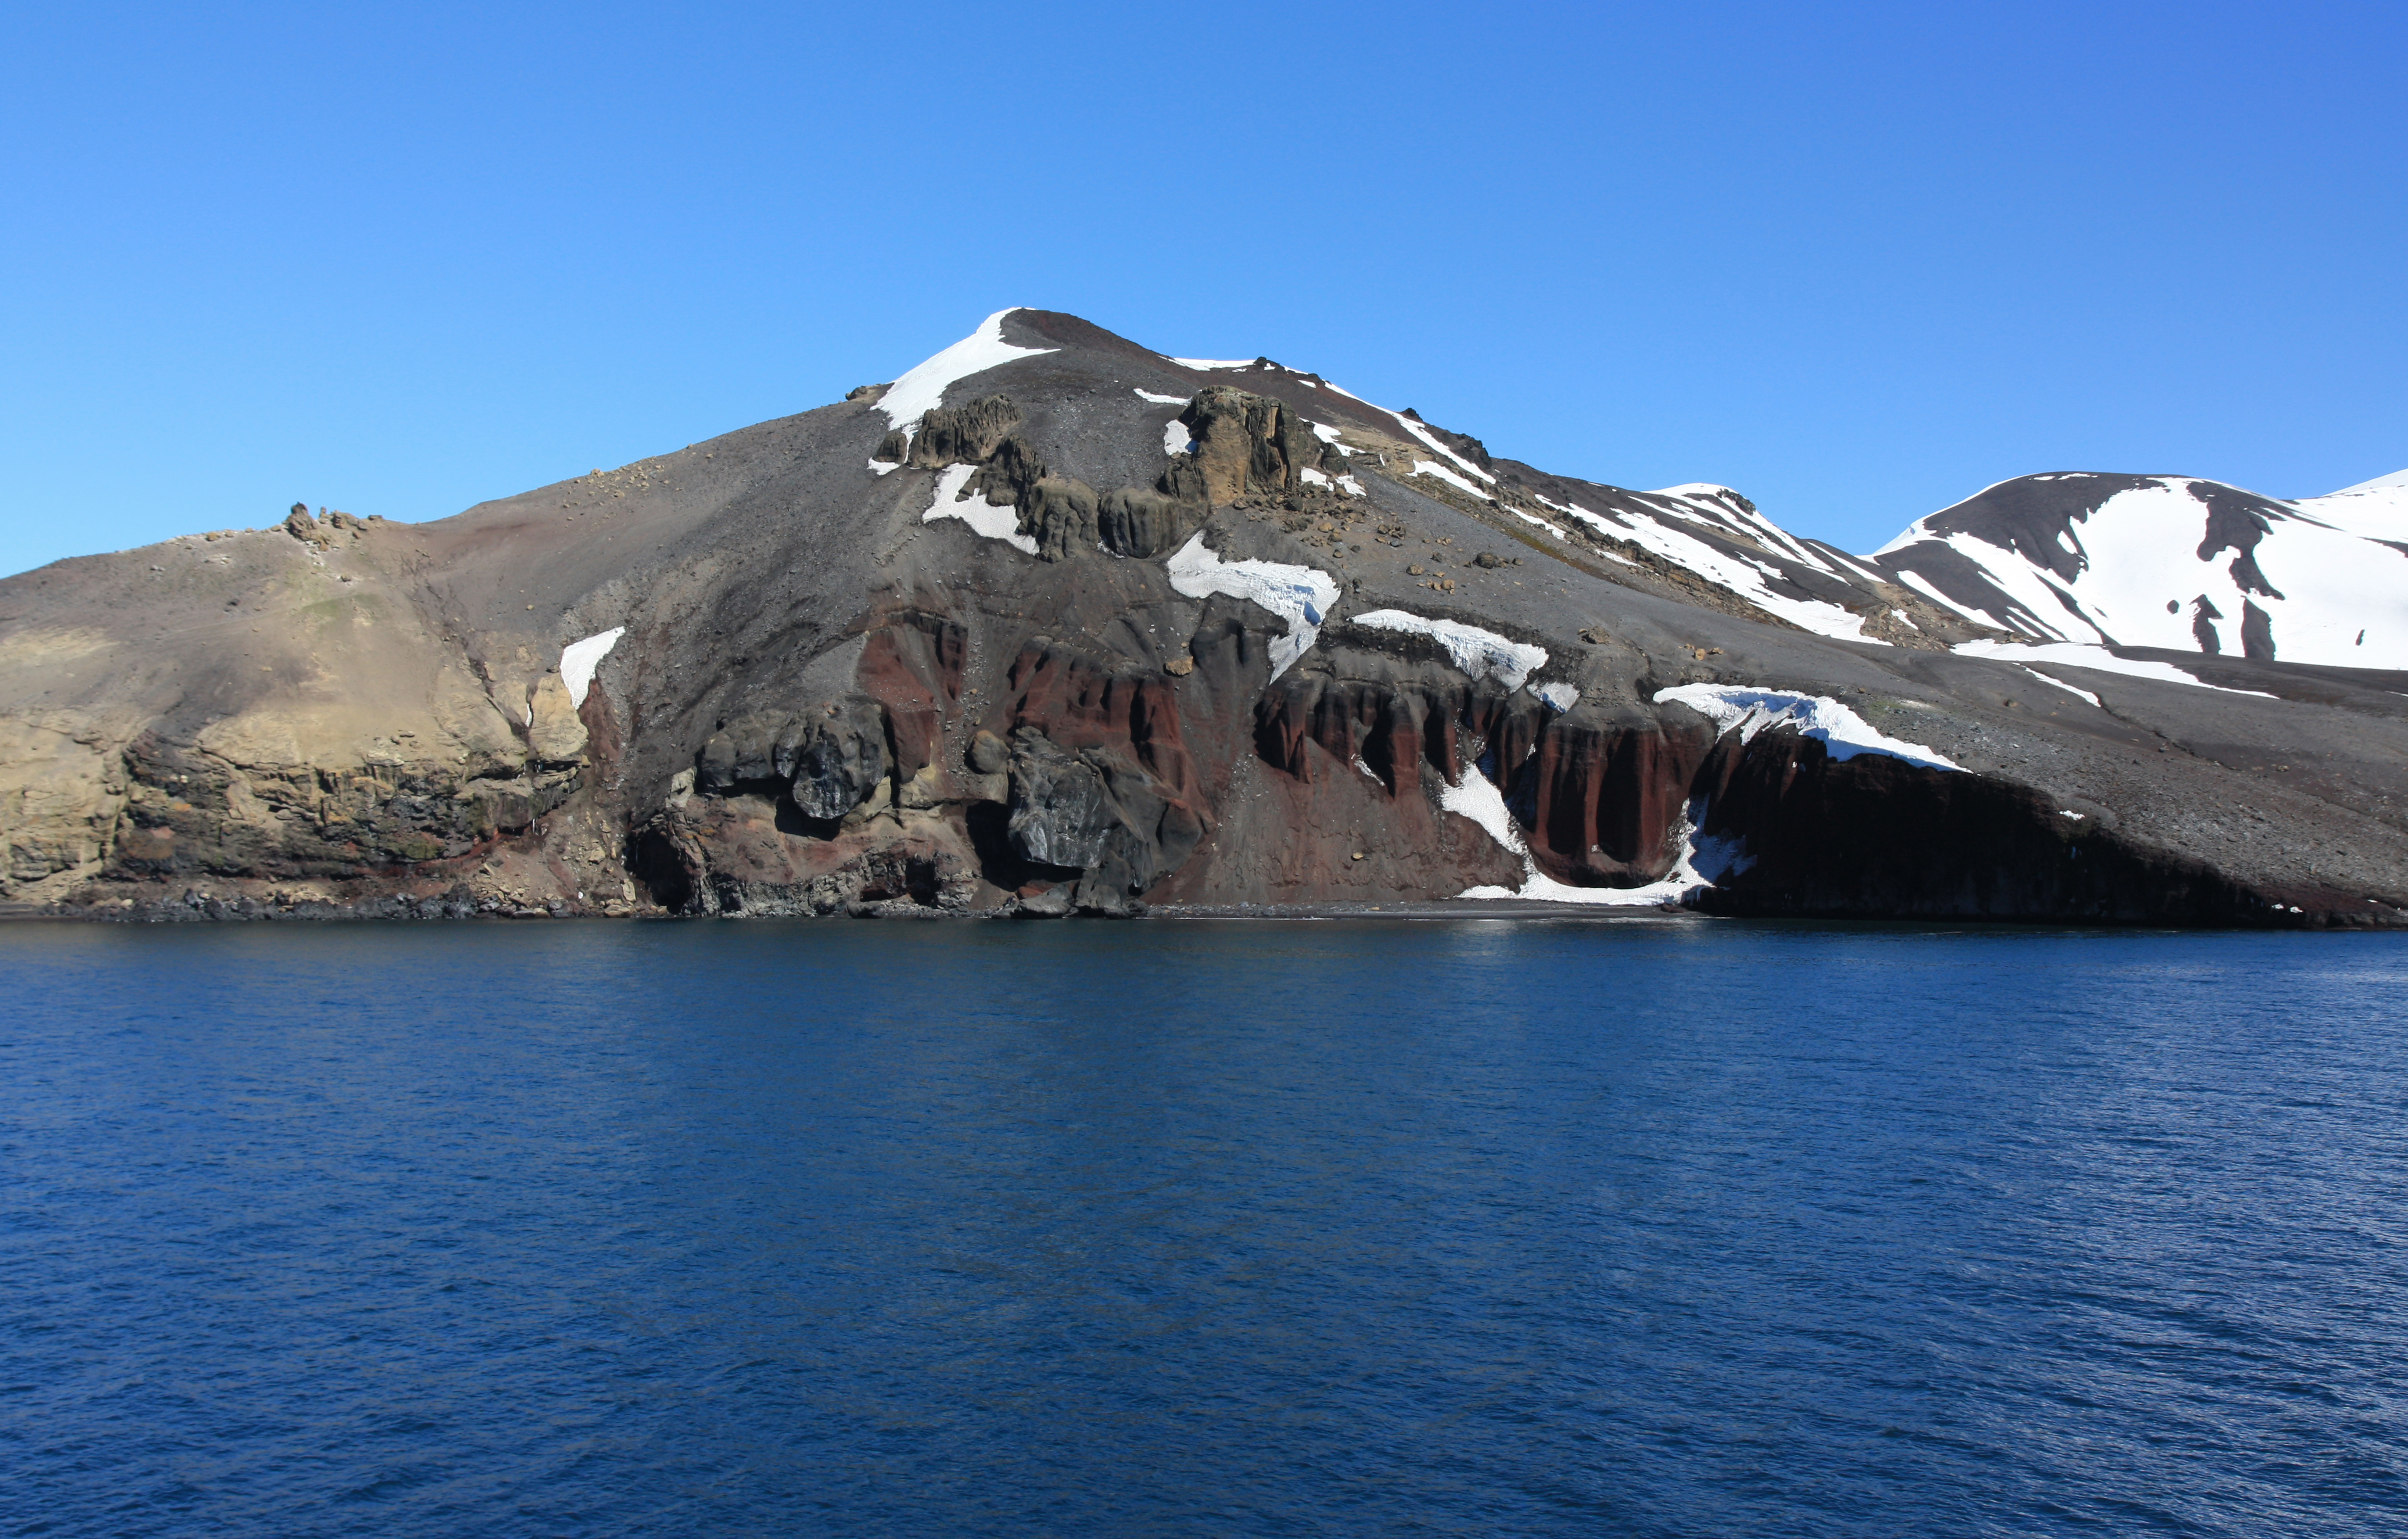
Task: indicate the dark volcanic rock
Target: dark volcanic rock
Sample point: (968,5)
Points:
(965,434)
(1146,522)
(1060,514)
(746,749)
(1060,813)
(842,757)
(1008,474)
(989,754)
(1875,837)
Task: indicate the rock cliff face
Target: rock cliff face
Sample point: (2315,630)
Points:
(1056,625)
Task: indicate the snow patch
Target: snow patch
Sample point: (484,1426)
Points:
(2075,655)
(1554,529)
(2397,478)
(923,387)
(881,468)
(1839,729)
(1175,440)
(1923,585)
(978,513)
(1313,477)
(579,659)
(1301,596)
(1559,697)
(1213,363)
(1693,489)
(1480,654)
(1738,575)
(2062,684)
(1161,400)
(1431,467)
(1429,441)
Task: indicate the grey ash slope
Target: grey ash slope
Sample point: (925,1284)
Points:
(1057,623)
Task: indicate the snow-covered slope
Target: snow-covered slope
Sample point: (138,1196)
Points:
(2068,558)
(2172,562)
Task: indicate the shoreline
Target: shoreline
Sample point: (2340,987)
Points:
(199,909)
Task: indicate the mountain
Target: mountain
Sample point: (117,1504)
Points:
(1055,624)
(2097,559)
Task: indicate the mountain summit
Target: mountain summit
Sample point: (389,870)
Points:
(1055,624)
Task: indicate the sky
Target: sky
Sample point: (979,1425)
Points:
(1857,261)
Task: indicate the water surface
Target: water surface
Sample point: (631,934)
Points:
(1200,1228)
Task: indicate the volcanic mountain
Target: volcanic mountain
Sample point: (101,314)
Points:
(1053,623)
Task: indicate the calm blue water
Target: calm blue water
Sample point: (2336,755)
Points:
(1469,1228)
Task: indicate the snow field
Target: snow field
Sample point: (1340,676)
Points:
(579,659)
(1301,596)
(2061,685)
(2344,592)
(1429,441)
(1739,576)
(2396,478)
(1479,653)
(1431,467)
(2076,655)
(1556,529)
(1839,731)
(923,387)
(981,515)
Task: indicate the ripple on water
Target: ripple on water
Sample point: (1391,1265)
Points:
(1477,1227)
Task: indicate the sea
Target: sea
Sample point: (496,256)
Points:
(1463,1226)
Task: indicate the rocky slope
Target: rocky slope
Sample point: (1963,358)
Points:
(1055,623)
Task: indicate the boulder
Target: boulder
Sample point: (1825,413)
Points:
(1141,522)
(1059,512)
(744,749)
(843,759)
(556,733)
(1055,902)
(1007,475)
(925,790)
(1248,443)
(1060,815)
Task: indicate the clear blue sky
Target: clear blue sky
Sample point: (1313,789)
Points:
(1855,260)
